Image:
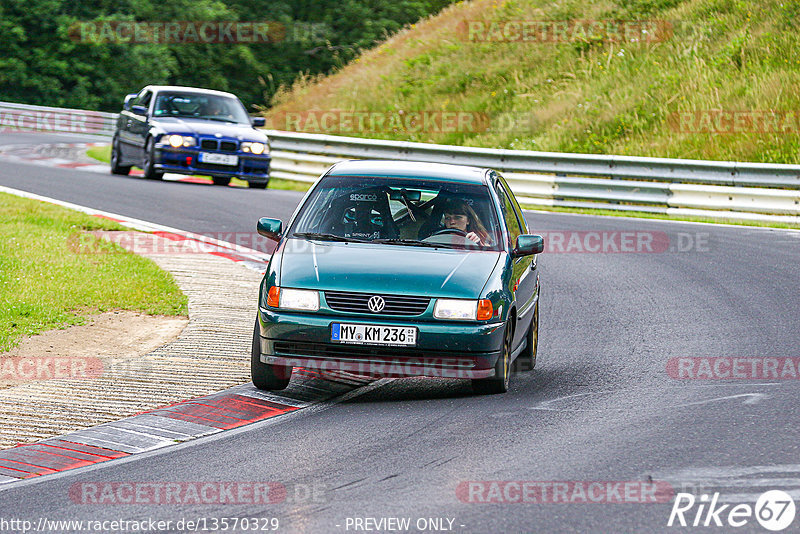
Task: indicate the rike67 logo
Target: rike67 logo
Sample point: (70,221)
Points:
(774,510)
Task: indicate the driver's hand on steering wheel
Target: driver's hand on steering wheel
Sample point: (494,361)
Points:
(472,236)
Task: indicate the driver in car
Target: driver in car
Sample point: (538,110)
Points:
(215,108)
(459,215)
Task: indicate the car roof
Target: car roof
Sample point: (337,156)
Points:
(180,88)
(409,169)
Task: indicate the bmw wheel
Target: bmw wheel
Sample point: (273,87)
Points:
(266,376)
(149,169)
(116,168)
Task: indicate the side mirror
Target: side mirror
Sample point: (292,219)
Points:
(528,244)
(139,110)
(127,104)
(259,121)
(270,228)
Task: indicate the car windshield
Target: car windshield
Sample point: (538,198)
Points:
(200,106)
(401,211)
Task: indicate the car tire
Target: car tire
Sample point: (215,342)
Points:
(258,185)
(502,370)
(221,180)
(526,361)
(148,167)
(266,376)
(116,168)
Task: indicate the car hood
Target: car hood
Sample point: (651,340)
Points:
(211,128)
(392,269)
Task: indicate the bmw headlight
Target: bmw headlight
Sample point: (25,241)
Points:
(255,147)
(177,141)
(293,299)
(463,310)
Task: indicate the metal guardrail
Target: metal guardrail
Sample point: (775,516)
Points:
(752,191)
(26,118)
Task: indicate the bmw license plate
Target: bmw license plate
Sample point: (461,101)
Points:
(365,334)
(219,159)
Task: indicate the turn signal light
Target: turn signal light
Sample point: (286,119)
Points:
(484,309)
(273,297)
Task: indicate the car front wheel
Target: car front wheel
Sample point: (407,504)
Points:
(502,370)
(149,169)
(266,376)
(526,361)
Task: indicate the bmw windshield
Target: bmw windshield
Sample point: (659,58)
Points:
(200,106)
(412,212)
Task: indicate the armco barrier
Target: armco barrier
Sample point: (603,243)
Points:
(750,191)
(25,118)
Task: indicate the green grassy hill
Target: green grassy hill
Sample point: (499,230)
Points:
(591,94)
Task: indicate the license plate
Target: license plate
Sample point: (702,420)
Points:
(365,334)
(219,159)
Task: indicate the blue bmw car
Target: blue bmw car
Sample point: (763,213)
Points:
(186,130)
(400,269)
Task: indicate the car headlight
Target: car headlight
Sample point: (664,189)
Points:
(177,141)
(463,310)
(293,299)
(255,147)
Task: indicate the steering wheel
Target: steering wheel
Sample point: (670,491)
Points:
(450,231)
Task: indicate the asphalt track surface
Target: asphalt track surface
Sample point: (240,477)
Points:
(600,406)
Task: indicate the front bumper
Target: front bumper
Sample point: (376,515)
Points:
(250,167)
(445,349)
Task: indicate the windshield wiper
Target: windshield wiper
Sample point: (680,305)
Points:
(327,237)
(220,119)
(413,243)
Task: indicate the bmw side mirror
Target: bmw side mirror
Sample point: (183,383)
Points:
(139,110)
(528,244)
(127,104)
(259,121)
(270,228)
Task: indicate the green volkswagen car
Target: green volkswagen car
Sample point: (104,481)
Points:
(399,269)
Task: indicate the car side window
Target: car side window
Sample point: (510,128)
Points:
(512,222)
(517,209)
(144,100)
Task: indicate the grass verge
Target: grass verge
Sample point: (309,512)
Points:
(44,284)
(100,153)
(583,92)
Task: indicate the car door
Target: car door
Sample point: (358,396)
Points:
(127,146)
(139,126)
(523,279)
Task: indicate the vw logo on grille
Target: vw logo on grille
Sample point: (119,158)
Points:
(376,304)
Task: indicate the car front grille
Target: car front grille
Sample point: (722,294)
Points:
(224,146)
(288,349)
(358,303)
